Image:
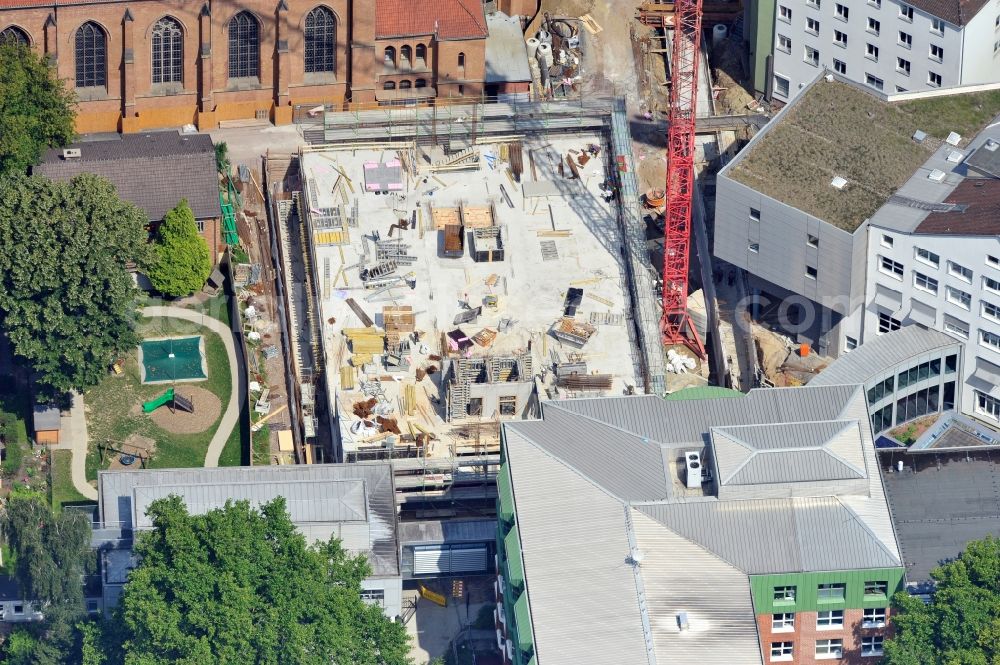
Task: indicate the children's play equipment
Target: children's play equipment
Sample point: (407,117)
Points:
(170,398)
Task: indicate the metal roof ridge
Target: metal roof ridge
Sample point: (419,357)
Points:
(868,530)
(863,473)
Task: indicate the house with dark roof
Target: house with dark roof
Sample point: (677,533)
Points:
(888,45)
(725,528)
(155,171)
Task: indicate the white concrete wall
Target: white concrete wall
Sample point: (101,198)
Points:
(392,588)
(968,251)
(980,58)
(792,64)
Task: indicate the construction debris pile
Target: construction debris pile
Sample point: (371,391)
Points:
(554,57)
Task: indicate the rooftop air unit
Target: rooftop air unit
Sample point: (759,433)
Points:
(954,138)
(838,182)
(955,156)
(694,473)
(71,153)
(919,136)
(937,175)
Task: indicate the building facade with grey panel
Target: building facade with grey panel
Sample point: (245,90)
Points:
(888,45)
(352,502)
(637,529)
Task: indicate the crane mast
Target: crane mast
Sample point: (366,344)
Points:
(676,325)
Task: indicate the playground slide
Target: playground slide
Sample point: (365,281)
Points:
(154,404)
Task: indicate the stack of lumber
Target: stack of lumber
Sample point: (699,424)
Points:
(365,342)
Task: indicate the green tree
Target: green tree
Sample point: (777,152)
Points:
(67,302)
(961,625)
(181,261)
(36,108)
(240,585)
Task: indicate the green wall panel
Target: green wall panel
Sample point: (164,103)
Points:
(512,549)
(759,31)
(505,495)
(807,584)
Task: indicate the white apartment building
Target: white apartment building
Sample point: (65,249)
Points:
(888,45)
(883,211)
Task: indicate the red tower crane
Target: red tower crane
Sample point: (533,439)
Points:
(676,325)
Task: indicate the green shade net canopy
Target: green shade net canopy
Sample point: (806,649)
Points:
(175,359)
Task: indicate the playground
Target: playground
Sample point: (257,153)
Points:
(147,412)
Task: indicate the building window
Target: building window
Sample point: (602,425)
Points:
(18,608)
(811,272)
(784,44)
(900,88)
(877,4)
(840,67)
(15,35)
(882,419)
(905,39)
(991,311)
(244,46)
(878,587)
(420,83)
(840,38)
(754,247)
(321,41)
(890,267)
(783,623)
(956,327)
(906,12)
(168,51)
(989,339)
(951,364)
(812,26)
(903,66)
(958,297)
(781,651)
(928,257)
(781,86)
(373,596)
(872,645)
(960,271)
(811,56)
(987,406)
(815,4)
(880,390)
(873,617)
(389,85)
(842,11)
(886,323)
(829,649)
(784,13)
(829,619)
(405,57)
(925,283)
(934,79)
(991,285)
(992,261)
(405,85)
(830,592)
(811,240)
(937,26)
(389,57)
(887,240)
(92,606)
(755,214)
(91,56)
(200,225)
(874,26)
(937,53)
(871,52)
(784,594)
(461,63)
(920,372)
(850,343)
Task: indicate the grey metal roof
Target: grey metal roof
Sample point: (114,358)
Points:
(986,159)
(323,500)
(45,417)
(765,536)
(882,353)
(447,531)
(506,55)
(154,170)
(949,500)
(788,452)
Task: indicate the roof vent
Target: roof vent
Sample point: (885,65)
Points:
(919,136)
(71,153)
(636,556)
(955,156)
(991,145)
(937,175)
(682,621)
(829,78)
(838,182)
(953,138)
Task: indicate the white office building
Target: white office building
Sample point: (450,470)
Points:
(888,45)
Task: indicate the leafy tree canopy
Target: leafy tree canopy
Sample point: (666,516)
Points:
(36,108)
(67,302)
(240,585)
(961,626)
(181,261)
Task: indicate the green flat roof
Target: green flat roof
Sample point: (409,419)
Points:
(702,392)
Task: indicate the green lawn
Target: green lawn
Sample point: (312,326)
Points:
(61,481)
(232,454)
(261,440)
(15,409)
(114,412)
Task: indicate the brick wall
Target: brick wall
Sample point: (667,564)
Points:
(806,633)
(206,97)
